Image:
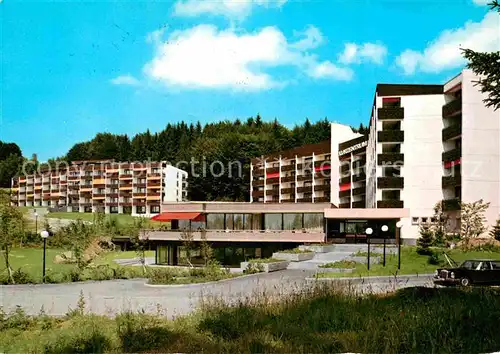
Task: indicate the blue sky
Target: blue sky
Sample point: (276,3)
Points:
(72,69)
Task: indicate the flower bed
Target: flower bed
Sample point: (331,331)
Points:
(317,248)
(265,265)
(294,255)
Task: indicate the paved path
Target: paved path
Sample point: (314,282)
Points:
(111,297)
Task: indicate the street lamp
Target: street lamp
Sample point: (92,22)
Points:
(384,229)
(399,225)
(368,231)
(36,222)
(44,235)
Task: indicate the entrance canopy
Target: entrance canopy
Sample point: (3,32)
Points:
(169,216)
(387,213)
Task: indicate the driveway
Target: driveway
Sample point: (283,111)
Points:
(111,297)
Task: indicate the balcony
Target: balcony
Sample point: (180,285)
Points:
(344,194)
(272,191)
(258,183)
(346,179)
(359,177)
(390,182)
(452,131)
(345,205)
(288,179)
(289,200)
(390,204)
(390,158)
(345,167)
(391,113)
(305,200)
(258,172)
(452,155)
(322,200)
(451,204)
(305,189)
(359,204)
(322,187)
(288,168)
(288,191)
(272,170)
(359,191)
(257,194)
(452,108)
(275,180)
(451,181)
(390,136)
(306,177)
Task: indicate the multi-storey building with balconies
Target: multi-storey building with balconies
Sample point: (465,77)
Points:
(426,144)
(108,186)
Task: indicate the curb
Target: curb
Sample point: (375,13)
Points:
(192,285)
(389,278)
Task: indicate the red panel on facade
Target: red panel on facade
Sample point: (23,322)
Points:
(450,164)
(178,216)
(391,99)
(273,175)
(345,187)
(322,168)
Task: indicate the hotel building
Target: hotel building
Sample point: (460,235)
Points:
(426,144)
(108,186)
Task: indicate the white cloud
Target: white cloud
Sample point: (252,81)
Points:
(327,69)
(444,52)
(205,57)
(238,9)
(361,53)
(125,80)
(311,38)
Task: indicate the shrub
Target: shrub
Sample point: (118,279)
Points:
(425,241)
(340,264)
(434,258)
(253,268)
(22,277)
(161,276)
(295,250)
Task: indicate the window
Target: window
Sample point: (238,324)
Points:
(292,221)
(414,221)
(273,222)
(495,265)
(313,222)
(391,102)
(215,221)
(141,209)
(424,220)
(229,221)
(155,209)
(113,209)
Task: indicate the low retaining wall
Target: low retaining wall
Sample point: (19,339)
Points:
(293,257)
(335,270)
(317,248)
(268,267)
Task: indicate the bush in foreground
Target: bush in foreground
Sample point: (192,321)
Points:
(320,320)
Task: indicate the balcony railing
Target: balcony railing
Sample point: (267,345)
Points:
(345,167)
(304,189)
(344,194)
(359,191)
(359,177)
(288,168)
(288,179)
(359,204)
(345,205)
(257,193)
(452,155)
(391,113)
(391,203)
(390,182)
(451,181)
(390,136)
(322,200)
(452,108)
(305,200)
(287,190)
(451,204)
(323,187)
(346,179)
(390,158)
(258,183)
(452,131)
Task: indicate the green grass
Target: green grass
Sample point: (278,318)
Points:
(265,260)
(411,263)
(316,320)
(340,264)
(30,260)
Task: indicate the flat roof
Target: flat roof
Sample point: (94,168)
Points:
(387,213)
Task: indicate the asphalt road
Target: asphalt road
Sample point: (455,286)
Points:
(111,297)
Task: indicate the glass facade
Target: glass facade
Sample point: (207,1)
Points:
(292,221)
(273,221)
(313,222)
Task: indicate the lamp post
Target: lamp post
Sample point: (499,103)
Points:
(368,231)
(384,229)
(399,224)
(44,235)
(36,222)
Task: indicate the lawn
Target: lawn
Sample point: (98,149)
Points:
(30,260)
(411,263)
(122,219)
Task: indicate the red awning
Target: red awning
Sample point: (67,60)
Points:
(168,216)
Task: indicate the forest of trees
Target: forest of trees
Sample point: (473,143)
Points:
(223,141)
